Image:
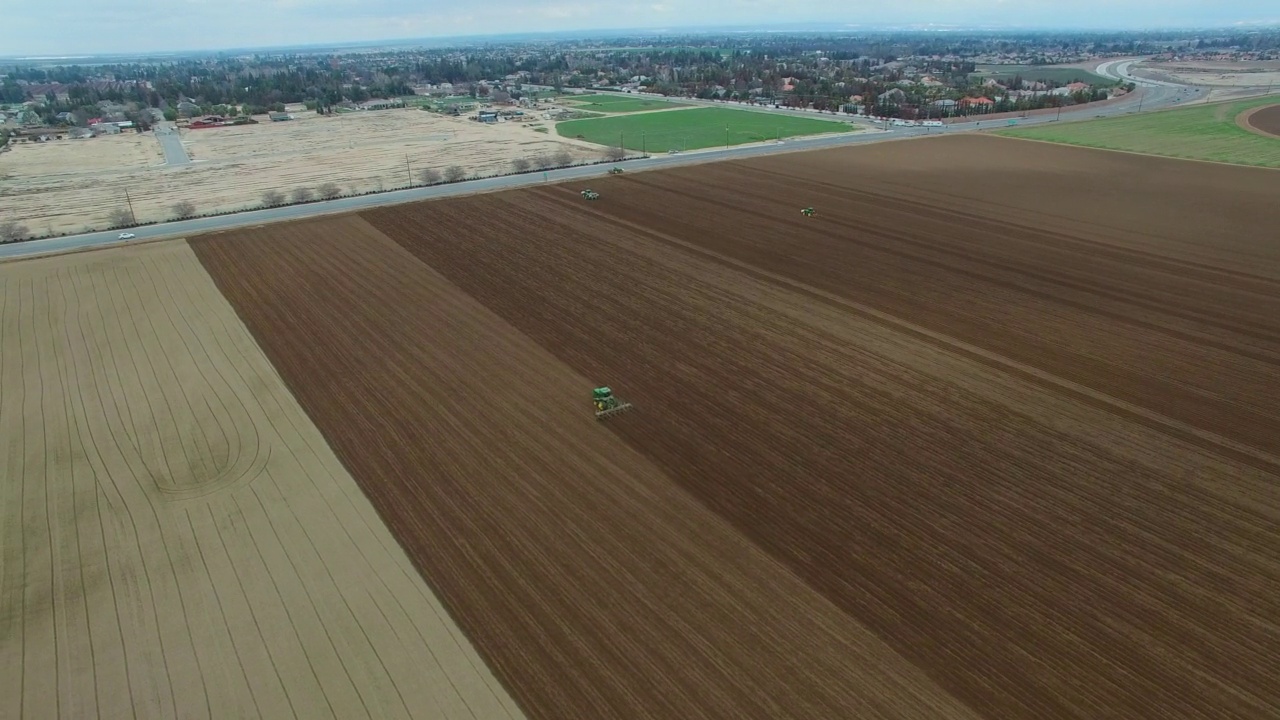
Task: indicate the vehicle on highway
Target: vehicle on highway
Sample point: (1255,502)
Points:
(126,236)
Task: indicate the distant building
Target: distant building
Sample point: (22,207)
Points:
(892,97)
(381,104)
(279,116)
(980,104)
(487,116)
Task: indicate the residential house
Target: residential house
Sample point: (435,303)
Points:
(892,97)
(979,104)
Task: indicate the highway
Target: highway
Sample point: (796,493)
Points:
(1150,96)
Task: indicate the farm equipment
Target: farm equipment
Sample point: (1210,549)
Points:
(591,194)
(606,404)
(807,212)
(615,171)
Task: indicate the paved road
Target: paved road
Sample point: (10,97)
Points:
(171,143)
(1148,97)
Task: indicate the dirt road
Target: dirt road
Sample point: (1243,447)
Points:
(177,540)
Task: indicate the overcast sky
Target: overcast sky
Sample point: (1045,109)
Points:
(70,28)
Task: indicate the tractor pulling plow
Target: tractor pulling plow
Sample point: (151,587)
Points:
(607,405)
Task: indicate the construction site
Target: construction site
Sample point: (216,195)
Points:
(960,427)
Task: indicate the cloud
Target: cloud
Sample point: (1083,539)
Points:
(167,25)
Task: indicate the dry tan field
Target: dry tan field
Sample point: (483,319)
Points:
(50,188)
(177,539)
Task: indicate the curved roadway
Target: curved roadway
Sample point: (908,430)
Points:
(1152,95)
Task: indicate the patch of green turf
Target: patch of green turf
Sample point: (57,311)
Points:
(1042,73)
(1199,132)
(694,129)
(620,104)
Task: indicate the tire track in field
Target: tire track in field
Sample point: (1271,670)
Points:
(1133,294)
(555,554)
(1227,446)
(1039,555)
(145,373)
(414,587)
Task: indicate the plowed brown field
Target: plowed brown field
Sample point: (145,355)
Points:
(1266,120)
(995,432)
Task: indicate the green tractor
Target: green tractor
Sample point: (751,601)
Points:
(606,404)
(590,194)
(615,171)
(807,212)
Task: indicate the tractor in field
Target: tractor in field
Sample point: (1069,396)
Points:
(807,212)
(590,194)
(607,405)
(615,171)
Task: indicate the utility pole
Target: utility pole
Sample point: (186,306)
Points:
(726,137)
(130,202)
(1142,97)
(408,170)
(1059,114)
(643,146)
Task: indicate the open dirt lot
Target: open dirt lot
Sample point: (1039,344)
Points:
(1007,408)
(176,539)
(1217,74)
(233,166)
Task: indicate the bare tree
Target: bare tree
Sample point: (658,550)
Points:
(520,165)
(120,217)
(11,231)
(429,176)
(454,173)
(301,194)
(329,190)
(615,153)
(541,161)
(184,209)
(561,158)
(272,198)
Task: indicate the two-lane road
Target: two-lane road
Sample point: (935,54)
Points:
(167,135)
(1149,97)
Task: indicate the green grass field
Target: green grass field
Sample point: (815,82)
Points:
(619,103)
(694,129)
(1041,73)
(1202,132)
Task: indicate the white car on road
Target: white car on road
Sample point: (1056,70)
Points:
(126,236)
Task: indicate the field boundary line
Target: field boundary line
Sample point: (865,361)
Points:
(1196,436)
(999,134)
